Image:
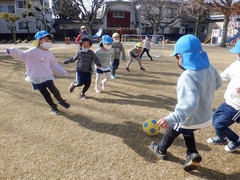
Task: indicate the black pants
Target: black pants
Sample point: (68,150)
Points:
(86,85)
(147,51)
(170,136)
(44,87)
(83,78)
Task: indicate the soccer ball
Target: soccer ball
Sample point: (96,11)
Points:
(150,127)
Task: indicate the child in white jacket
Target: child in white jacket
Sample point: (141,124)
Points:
(229,111)
(40,63)
(146,47)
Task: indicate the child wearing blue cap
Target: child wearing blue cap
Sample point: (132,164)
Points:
(105,54)
(146,47)
(195,92)
(229,111)
(40,63)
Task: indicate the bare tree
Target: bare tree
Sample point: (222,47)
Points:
(40,14)
(196,10)
(85,11)
(63,9)
(11,23)
(159,13)
(227,8)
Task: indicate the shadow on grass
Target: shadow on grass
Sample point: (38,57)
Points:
(159,101)
(130,132)
(206,173)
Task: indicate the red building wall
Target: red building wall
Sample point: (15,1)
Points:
(119,22)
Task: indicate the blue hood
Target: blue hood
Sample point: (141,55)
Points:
(236,48)
(193,56)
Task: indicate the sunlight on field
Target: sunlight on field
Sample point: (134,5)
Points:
(101,137)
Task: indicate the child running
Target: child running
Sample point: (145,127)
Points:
(146,47)
(195,92)
(135,53)
(40,63)
(118,49)
(229,111)
(105,54)
(86,58)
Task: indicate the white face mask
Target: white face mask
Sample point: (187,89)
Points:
(85,50)
(116,40)
(107,47)
(46,45)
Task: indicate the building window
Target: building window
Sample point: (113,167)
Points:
(174,30)
(21,4)
(171,13)
(8,9)
(118,14)
(189,30)
(22,25)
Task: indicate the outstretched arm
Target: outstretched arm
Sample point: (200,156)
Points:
(72,59)
(17,54)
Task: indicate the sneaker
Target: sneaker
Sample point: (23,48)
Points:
(232,146)
(217,140)
(113,77)
(103,85)
(192,161)
(71,87)
(127,69)
(82,96)
(143,69)
(97,90)
(55,110)
(64,104)
(154,148)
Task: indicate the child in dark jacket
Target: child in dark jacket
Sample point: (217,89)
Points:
(86,58)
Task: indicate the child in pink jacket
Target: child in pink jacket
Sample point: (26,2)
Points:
(40,63)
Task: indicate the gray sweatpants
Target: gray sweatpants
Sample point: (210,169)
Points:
(131,60)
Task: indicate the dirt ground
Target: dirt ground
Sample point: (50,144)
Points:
(101,137)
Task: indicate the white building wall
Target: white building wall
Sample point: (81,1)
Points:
(18,12)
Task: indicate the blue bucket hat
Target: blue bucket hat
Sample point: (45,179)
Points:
(193,56)
(106,39)
(41,34)
(236,48)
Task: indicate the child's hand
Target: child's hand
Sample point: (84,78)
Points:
(238,90)
(99,66)
(163,123)
(65,62)
(7,51)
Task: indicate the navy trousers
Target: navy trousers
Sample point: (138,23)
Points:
(223,118)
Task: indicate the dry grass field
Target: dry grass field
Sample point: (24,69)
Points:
(101,137)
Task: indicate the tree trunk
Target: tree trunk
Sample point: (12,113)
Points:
(14,34)
(224,33)
(197,28)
